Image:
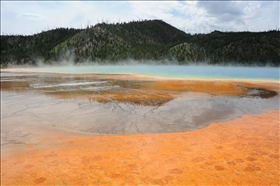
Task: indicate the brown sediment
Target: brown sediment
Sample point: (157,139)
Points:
(153,98)
(210,87)
(243,151)
(135,88)
(131,89)
(142,91)
(262,84)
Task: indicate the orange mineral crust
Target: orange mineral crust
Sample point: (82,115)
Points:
(243,151)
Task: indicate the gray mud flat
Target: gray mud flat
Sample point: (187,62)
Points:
(27,105)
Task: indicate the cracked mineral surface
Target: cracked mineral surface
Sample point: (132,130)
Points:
(124,129)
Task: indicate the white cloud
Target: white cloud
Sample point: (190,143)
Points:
(184,15)
(31,16)
(189,16)
(262,16)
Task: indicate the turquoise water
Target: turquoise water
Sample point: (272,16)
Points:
(207,72)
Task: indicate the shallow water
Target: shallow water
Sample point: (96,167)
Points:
(100,105)
(204,72)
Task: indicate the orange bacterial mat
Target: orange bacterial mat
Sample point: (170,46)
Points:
(243,151)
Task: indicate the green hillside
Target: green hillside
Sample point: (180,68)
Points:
(141,40)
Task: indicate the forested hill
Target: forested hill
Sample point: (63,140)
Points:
(141,40)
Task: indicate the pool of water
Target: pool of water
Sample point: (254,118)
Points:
(133,105)
(204,72)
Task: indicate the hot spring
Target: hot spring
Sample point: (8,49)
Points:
(139,125)
(203,72)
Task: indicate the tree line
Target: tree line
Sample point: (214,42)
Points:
(141,40)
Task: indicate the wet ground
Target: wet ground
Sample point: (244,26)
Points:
(112,129)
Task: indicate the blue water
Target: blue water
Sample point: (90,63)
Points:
(204,72)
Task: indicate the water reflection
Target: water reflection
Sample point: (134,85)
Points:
(144,92)
(111,106)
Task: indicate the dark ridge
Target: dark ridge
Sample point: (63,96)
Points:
(141,40)
(27,49)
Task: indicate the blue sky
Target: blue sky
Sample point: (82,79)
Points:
(30,17)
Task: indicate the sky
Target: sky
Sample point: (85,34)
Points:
(31,17)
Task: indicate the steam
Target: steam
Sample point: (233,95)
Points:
(67,59)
